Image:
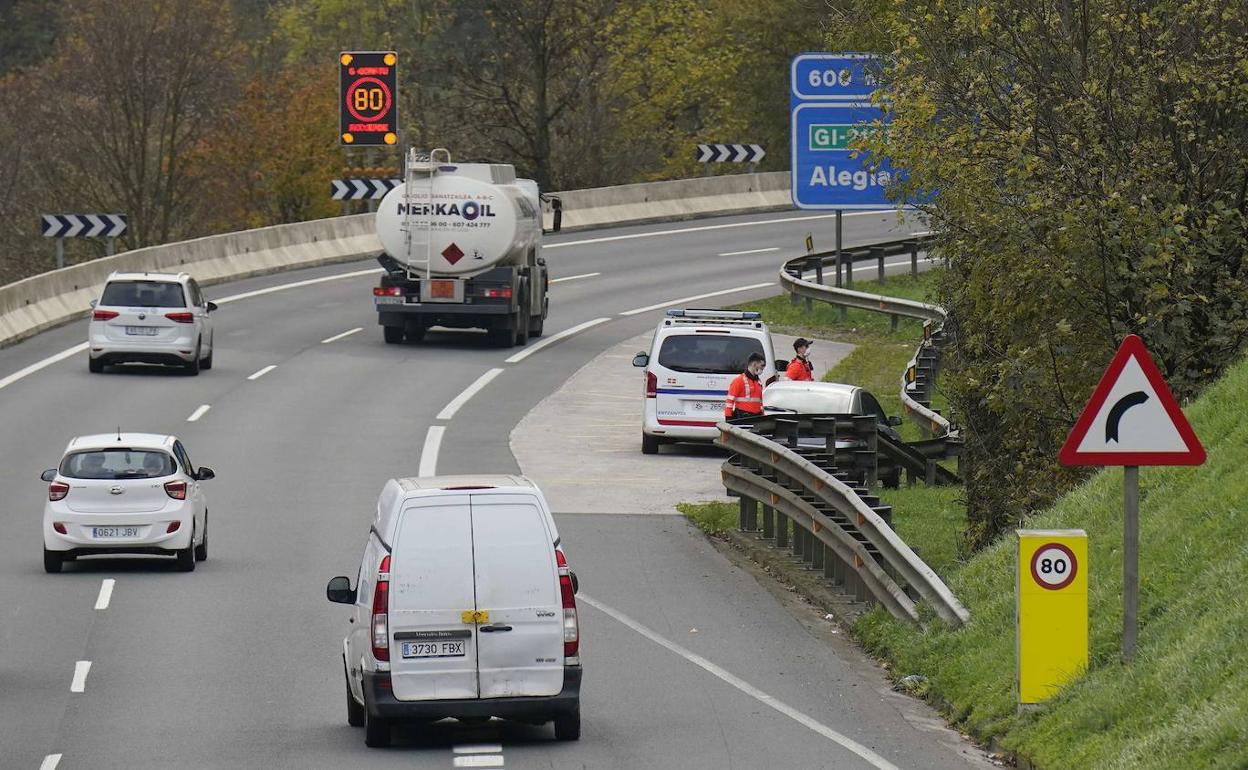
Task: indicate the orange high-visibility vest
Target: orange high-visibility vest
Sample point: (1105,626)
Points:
(800,370)
(744,394)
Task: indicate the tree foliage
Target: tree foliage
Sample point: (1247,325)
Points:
(1088,165)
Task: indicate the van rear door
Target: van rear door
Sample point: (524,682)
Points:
(520,646)
(433,653)
(694,369)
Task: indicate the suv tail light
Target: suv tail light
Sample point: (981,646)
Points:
(104,315)
(57,490)
(652,385)
(387,291)
(176,489)
(181,318)
(571,626)
(381,608)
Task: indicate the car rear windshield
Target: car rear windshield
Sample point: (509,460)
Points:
(708,353)
(143,294)
(117,464)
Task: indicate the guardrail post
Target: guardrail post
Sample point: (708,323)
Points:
(914,259)
(782,530)
(799,535)
(878,253)
(769,526)
(892,322)
(829,564)
(748,518)
(808,546)
(817,555)
(930,473)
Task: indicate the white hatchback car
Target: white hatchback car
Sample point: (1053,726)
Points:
(151,318)
(125,493)
(693,359)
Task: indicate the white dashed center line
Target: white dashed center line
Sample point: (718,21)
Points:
(429,455)
(81,669)
(574,277)
(337,337)
(456,403)
(50,762)
(263,372)
(106,594)
(751,251)
(200,412)
(552,339)
(684,300)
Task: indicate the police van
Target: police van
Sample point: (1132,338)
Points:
(693,358)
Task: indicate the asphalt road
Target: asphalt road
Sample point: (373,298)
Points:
(237,664)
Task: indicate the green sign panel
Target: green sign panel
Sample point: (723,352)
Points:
(838,136)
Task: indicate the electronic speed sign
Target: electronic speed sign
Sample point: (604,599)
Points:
(368,111)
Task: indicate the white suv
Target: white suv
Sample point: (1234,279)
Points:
(693,359)
(151,318)
(125,493)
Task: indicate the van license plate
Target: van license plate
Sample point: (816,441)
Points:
(432,649)
(114,532)
(141,331)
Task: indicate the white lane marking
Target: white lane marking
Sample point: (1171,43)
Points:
(751,251)
(200,412)
(479,760)
(43,364)
(703,228)
(50,762)
(297,284)
(81,669)
(263,372)
(552,339)
(683,300)
(574,277)
(450,409)
(106,594)
(827,732)
(337,337)
(479,748)
(429,455)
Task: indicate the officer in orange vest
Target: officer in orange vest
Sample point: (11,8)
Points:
(800,368)
(745,394)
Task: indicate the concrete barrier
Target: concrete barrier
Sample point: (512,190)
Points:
(40,302)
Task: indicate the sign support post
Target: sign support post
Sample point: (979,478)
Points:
(840,258)
(1130,560)
(60,253)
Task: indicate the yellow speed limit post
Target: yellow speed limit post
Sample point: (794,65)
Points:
(1052,611)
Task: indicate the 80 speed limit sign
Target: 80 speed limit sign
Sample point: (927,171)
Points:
(1053,566)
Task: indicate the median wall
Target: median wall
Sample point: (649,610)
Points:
(40,302)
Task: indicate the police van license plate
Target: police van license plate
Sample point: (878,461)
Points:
(432,649)
(708,406)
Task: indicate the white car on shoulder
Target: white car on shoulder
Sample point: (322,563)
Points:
(693,358)
(464,608)
(151,318)
(134,493)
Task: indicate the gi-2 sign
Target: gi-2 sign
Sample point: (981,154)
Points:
(1051,600)
(368,94)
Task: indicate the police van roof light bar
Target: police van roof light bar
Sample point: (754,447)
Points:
(732,315)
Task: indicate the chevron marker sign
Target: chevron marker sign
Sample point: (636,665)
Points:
(730,153)
(362,189)
(82,225)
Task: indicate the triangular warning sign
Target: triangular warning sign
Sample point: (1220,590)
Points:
(1132,418)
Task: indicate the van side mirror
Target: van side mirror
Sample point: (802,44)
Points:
(641,360)
(576,584)
(212,306)
(204,474)
(339,590)
(781,364)
(48,475)
(894,421)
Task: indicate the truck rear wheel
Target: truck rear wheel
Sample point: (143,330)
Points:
(535,326)
(414,332)
(393,334)
(522,325)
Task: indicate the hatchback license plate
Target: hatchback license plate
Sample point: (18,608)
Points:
(433,649)
(114,532)
(141,331)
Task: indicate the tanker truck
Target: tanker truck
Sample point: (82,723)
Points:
(463,251)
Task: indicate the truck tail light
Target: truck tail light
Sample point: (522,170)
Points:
(571,626)
(176,489)
(381,609)
(104,315)
(387,291)
(497,293)
(652,385)
(57,490)
(181,318)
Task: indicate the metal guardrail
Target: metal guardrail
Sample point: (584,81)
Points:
(917,381)
(834,524)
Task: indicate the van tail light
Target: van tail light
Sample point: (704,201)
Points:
(181,318)
(104,315)
(571,626)
(652,385)
(381,609)
(387,291)
(176,489)
(57,490)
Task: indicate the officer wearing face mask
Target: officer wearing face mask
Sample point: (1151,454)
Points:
(745,394)
(800,368)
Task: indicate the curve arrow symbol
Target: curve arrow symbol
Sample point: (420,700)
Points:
(1118,410)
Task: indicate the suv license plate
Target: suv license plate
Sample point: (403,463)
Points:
(141,331)
(435,649)
(114,532)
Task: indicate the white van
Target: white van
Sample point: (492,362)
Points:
(464,607)
(693,359)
